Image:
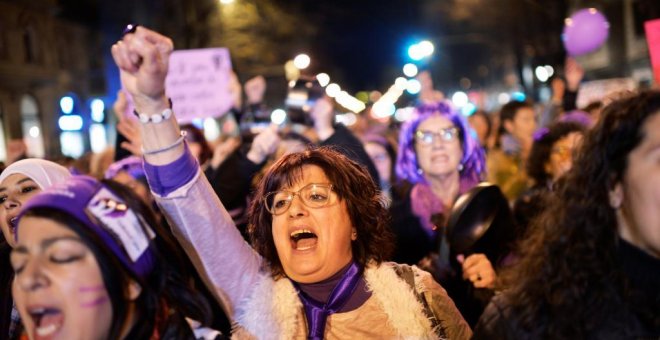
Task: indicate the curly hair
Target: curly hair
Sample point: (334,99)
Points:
(568,282)
(542,149)
(351,182)
(473,160)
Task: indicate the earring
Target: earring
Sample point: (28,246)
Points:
(460,167)
(420,171)
(354,235)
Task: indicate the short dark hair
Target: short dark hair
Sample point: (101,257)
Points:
(508,112)
(352,183)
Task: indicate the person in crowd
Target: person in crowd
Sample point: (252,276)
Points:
(506,163)
(382,154)
(551,157)
(317,225)
(590,269)
(438,161)
(198,144)
(89,264)
(19,182)
(482,126)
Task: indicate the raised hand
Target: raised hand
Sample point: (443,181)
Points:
(143,59)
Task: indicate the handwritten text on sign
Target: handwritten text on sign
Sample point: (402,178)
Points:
(198,83)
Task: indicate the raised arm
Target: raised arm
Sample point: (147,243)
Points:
(199,221)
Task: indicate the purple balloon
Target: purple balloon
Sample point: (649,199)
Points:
(585,31)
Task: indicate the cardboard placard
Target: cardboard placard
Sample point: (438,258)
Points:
(198,83)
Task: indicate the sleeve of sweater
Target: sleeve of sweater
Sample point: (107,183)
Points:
(200,223)
(345,142)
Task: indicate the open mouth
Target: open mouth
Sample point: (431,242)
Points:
(47,321)
(12,224)
(303,239)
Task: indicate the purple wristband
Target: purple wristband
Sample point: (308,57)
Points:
(165,179)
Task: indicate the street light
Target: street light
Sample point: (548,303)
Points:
(410,70)
(227,2)
(301,61)
(420,50)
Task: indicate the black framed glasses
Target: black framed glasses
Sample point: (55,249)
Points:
(313,195)
(428,137)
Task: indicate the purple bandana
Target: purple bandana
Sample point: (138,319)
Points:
(107,215)
(317,313)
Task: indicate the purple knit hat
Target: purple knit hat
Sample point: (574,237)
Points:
(94,205)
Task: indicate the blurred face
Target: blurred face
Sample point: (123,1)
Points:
(523,125)
(480,126)
(15,191)
(312,243)
(638,214)
(438,147)
(381,160)
(58,288)
(561,155)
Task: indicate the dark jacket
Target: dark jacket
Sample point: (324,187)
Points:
(637,313)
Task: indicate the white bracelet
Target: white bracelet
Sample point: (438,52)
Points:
(157,118)
(168,147)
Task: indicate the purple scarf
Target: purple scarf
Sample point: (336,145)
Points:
(317,312)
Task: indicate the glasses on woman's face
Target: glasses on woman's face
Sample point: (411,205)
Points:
(312,195)
(445,135)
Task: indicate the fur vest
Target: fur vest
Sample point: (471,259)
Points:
(273,308)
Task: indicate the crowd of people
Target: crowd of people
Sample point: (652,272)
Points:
(321,231)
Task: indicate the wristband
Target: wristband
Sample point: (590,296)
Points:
(165,148)
(157,118)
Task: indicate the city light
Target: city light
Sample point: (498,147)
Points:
(468,109)
(34,132)
(332,90)
(410,70)
(541,74)
(403,114)
(503,98)
(459,99)
(70,123)
(420,50)
(323,78)
(211,129)
(97,106)
(413,86)
(226,2)
(550,69)
(301,61)
(97,138)
(278,116)
(72,144)
(518,96)
(426,47)
(66,104)
(401,83)
(382,109)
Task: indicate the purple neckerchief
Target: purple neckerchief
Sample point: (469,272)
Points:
(320,291)
(317,312)
(165,179)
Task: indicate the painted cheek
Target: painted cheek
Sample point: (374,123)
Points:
(92,296)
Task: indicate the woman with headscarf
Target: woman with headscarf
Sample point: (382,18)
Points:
(19,182)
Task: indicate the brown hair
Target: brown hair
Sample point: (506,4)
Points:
(350,181)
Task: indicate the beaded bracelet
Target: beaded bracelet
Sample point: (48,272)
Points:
(157,118)
(168,147)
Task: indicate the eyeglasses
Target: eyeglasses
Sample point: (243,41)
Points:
(312,195)
(428,137)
